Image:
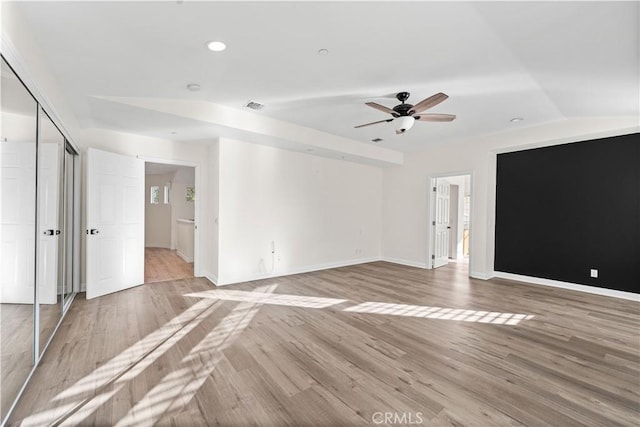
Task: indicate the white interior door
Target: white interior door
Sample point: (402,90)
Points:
(441,231)
(17,221)
(115,222)
(49,162)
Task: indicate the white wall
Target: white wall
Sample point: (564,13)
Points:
(212,201)
(318,212)
(405,204)
(157,216)
(180,207)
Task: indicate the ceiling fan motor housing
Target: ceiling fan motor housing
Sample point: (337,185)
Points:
(402,109)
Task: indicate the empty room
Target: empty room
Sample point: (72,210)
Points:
(320,213)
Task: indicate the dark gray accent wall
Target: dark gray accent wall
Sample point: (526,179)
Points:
(564,210)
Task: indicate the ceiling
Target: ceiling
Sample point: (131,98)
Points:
(541,61)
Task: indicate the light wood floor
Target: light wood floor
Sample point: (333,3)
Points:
(315,349)
(162,264)
(16,345)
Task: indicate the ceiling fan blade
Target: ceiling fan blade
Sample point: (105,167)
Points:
(430,102)
(435,117)
(380,107)
(373,123)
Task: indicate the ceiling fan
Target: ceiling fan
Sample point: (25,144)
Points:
(407,114)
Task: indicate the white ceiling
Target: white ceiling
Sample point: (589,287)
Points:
(543,61)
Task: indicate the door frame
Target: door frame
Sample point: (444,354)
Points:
(196,215)
(431,217)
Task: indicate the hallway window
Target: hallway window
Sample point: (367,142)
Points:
(155,195)
(191,194)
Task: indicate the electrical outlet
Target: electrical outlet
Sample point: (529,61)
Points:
(594,273)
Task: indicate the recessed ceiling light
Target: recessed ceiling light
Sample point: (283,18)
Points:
(216,46)
(323,52)
(193,87)
(516,119)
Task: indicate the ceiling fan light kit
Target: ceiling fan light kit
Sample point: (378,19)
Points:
(406,114)
(404,123)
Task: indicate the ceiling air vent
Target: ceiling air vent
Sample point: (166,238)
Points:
(254,105)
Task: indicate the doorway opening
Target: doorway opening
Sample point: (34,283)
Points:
(169,242)
(450,221)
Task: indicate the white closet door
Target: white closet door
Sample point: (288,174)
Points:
(17,222)
(49,228)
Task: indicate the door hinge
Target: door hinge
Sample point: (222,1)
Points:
(433,257)
(434,189)
(433,223)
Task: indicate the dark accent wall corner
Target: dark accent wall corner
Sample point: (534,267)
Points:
(566,209)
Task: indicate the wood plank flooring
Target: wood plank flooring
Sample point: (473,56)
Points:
(372,344)
(162,264)
(16,345)
(16,351)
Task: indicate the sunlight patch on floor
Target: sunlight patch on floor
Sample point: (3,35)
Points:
(178,387)
(275,299)
(120,369)
(459,314)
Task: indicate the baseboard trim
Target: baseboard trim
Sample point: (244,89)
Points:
(566,285)
(479,275)
(184,257)
(210,277)
(306,269)
(158,246)
(405,262)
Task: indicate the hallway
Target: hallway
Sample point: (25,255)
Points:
(162,264)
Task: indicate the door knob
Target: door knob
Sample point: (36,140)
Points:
(93,231)
(48,232)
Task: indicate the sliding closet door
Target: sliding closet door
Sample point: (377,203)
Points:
(71,219)
(50,258)
(17,235)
